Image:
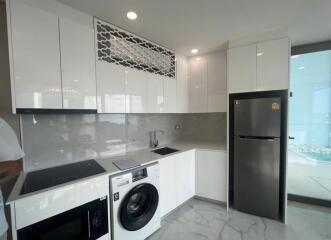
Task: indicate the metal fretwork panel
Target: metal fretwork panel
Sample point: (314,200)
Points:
(115,45)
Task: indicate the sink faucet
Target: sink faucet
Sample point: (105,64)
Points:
(154,141)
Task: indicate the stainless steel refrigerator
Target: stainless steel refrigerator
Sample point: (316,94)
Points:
(257,132)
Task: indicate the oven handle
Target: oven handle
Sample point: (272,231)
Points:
(88,224)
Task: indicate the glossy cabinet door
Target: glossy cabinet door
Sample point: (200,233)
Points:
(198,85)
(183,85)
(155,98)
(214,165)
(273,64)
(242,69)
(35,57)
(111,87)
(186,176)
(170,94)
(177,180)
(216,83)
(168,184)
(136,91)
(77,64)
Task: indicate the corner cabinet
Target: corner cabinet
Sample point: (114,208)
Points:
(51,56)
(262,66)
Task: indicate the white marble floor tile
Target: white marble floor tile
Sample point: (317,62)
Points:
(199,220)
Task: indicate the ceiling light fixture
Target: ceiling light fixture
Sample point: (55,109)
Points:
(194,51)
(295,56)
(132,15)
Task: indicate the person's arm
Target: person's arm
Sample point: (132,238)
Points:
(9,169)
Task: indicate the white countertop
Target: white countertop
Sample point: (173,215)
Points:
(143,157)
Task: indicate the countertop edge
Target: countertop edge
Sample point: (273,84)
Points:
(111,169)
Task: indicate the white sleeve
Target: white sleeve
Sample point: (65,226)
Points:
(10,148)
(3,222)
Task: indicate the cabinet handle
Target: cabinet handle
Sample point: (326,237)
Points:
(88,224)
(291,138)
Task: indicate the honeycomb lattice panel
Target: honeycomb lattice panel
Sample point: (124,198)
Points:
(118,46)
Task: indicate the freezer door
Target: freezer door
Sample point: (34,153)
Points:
(257,117)
(256,176)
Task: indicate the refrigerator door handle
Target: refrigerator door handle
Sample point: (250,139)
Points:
(257,138)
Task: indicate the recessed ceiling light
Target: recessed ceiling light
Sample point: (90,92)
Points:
(295,56)
(194,51)
(301,68)
(132,15)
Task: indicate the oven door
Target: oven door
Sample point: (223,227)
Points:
(89,221)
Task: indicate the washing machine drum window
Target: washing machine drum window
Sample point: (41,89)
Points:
(139,206)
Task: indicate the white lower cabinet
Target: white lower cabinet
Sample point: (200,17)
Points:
(211,175)
(186,176)
(177,180)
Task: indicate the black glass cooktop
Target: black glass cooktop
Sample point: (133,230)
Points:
(50,177)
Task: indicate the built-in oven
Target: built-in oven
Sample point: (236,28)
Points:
(88,221)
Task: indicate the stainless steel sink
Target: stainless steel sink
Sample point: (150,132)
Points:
(164,151)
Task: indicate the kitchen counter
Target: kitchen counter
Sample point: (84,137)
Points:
(142,157)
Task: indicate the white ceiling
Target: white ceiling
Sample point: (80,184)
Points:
(207,24)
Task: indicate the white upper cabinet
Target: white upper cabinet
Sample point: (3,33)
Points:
(170,95)
(155,101)
(216,82)
(111,87)
(36,74)
(273,64)
(242,69)
(183,85)
(259,67)
(136,91)
(208,83)
(198,85)
(51,55)
(77,65)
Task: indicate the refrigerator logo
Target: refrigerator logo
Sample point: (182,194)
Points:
(275,106)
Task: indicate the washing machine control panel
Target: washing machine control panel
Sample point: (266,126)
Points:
(139,174)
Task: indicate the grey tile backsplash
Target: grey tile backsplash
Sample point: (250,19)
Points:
(52,140)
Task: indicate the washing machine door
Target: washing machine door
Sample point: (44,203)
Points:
(139,206)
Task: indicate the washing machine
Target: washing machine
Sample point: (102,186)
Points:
(135,211)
